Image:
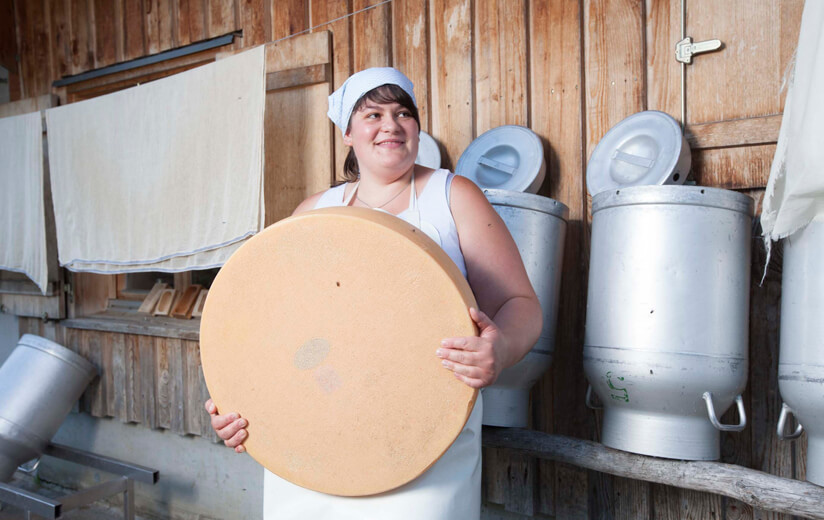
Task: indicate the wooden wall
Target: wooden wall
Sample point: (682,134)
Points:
(569,70)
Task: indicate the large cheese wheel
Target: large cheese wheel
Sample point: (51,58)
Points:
(322,332)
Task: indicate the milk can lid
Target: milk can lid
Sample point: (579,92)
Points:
(647,148)
(429,154)
(508,157)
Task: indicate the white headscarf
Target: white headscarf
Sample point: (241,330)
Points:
(343,100)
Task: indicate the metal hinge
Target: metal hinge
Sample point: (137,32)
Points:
(67,288)
(685,49)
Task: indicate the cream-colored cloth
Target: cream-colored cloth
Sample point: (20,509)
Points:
(795,191)
(165,176)
(22,213)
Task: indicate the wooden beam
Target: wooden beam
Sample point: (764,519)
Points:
(756,488)
(299,77)
(750,131)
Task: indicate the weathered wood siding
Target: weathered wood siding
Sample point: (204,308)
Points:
(568,69)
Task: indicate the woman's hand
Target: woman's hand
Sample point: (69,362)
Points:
(229,427)
(475,360)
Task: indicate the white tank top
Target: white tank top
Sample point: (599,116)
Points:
(432,207)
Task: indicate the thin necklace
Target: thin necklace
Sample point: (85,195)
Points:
(388,201)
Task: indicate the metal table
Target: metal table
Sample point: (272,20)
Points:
(37,506)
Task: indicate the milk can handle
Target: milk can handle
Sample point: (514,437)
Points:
(590,404)
(726,427)
(782,423)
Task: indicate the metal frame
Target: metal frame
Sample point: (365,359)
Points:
(37,506)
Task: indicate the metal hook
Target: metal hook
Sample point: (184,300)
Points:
(726,427)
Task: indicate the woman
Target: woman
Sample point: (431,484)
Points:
(375,109)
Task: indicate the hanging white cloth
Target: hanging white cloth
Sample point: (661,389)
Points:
(165,176)
(22,211)
(795,191)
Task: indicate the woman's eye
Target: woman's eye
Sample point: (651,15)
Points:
(405,114)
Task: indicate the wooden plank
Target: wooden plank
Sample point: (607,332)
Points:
(82,38)
(289,17)
(756,488)
(33,305)
(254,22)
(120,367)
(91,293)
(164,382)
(206,426)
(194,411)
(744,78)
(8,48)
(105,30)
(162,327)
(134,30)
(493,480)
(73,341)
(134,399)
(614,63)
(323,11)
(301,51)
(750,131)
(220,17)
(733,168)
(60,39)
(177,380)
(299,77)
(94,342)
(556,102)
(663,29)
(500,34)
(184,306)
(410,55)
(158,16)
(147,348)
(450,25)
(371,38)
(151,299)
(631,498)
(298,158)
(34,54)
(107,373)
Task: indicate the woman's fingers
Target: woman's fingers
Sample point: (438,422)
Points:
(236,441)
(481,319)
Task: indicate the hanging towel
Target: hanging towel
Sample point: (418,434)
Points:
(165,176)
(22,213)
(795,190)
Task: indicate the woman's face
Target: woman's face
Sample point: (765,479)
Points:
(384,137)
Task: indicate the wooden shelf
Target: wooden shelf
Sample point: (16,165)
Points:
(129,322)
(756,488)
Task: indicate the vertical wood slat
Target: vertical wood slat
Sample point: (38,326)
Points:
(106,35)
(177,381)
(147,381)
(288,17)
(555,113)
(451,48)
(323,11)
(34,55)
(118,368)
(663,81)
(220,17)
(9,54)
(81,36)
(107,374)
(193,407)
(134,29)
(96,403)
(371,43)
(158,23)
(134,399)
(254,22)
(164,385)
(410,40)
(500,54)
(191,21)
(60,39)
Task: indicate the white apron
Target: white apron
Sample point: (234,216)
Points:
(451,488)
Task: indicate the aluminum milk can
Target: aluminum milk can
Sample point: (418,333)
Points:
(666,342)
(538,226)
(39,383)
(801,359)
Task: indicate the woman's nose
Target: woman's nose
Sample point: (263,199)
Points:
(390,124)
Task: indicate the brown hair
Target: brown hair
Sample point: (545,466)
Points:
(388,93)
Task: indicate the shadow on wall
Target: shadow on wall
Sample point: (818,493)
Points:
(9,330)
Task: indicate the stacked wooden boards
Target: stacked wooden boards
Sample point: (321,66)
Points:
(322,332)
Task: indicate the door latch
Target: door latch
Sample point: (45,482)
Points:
(685,49)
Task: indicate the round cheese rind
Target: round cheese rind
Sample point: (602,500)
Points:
(321,331)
